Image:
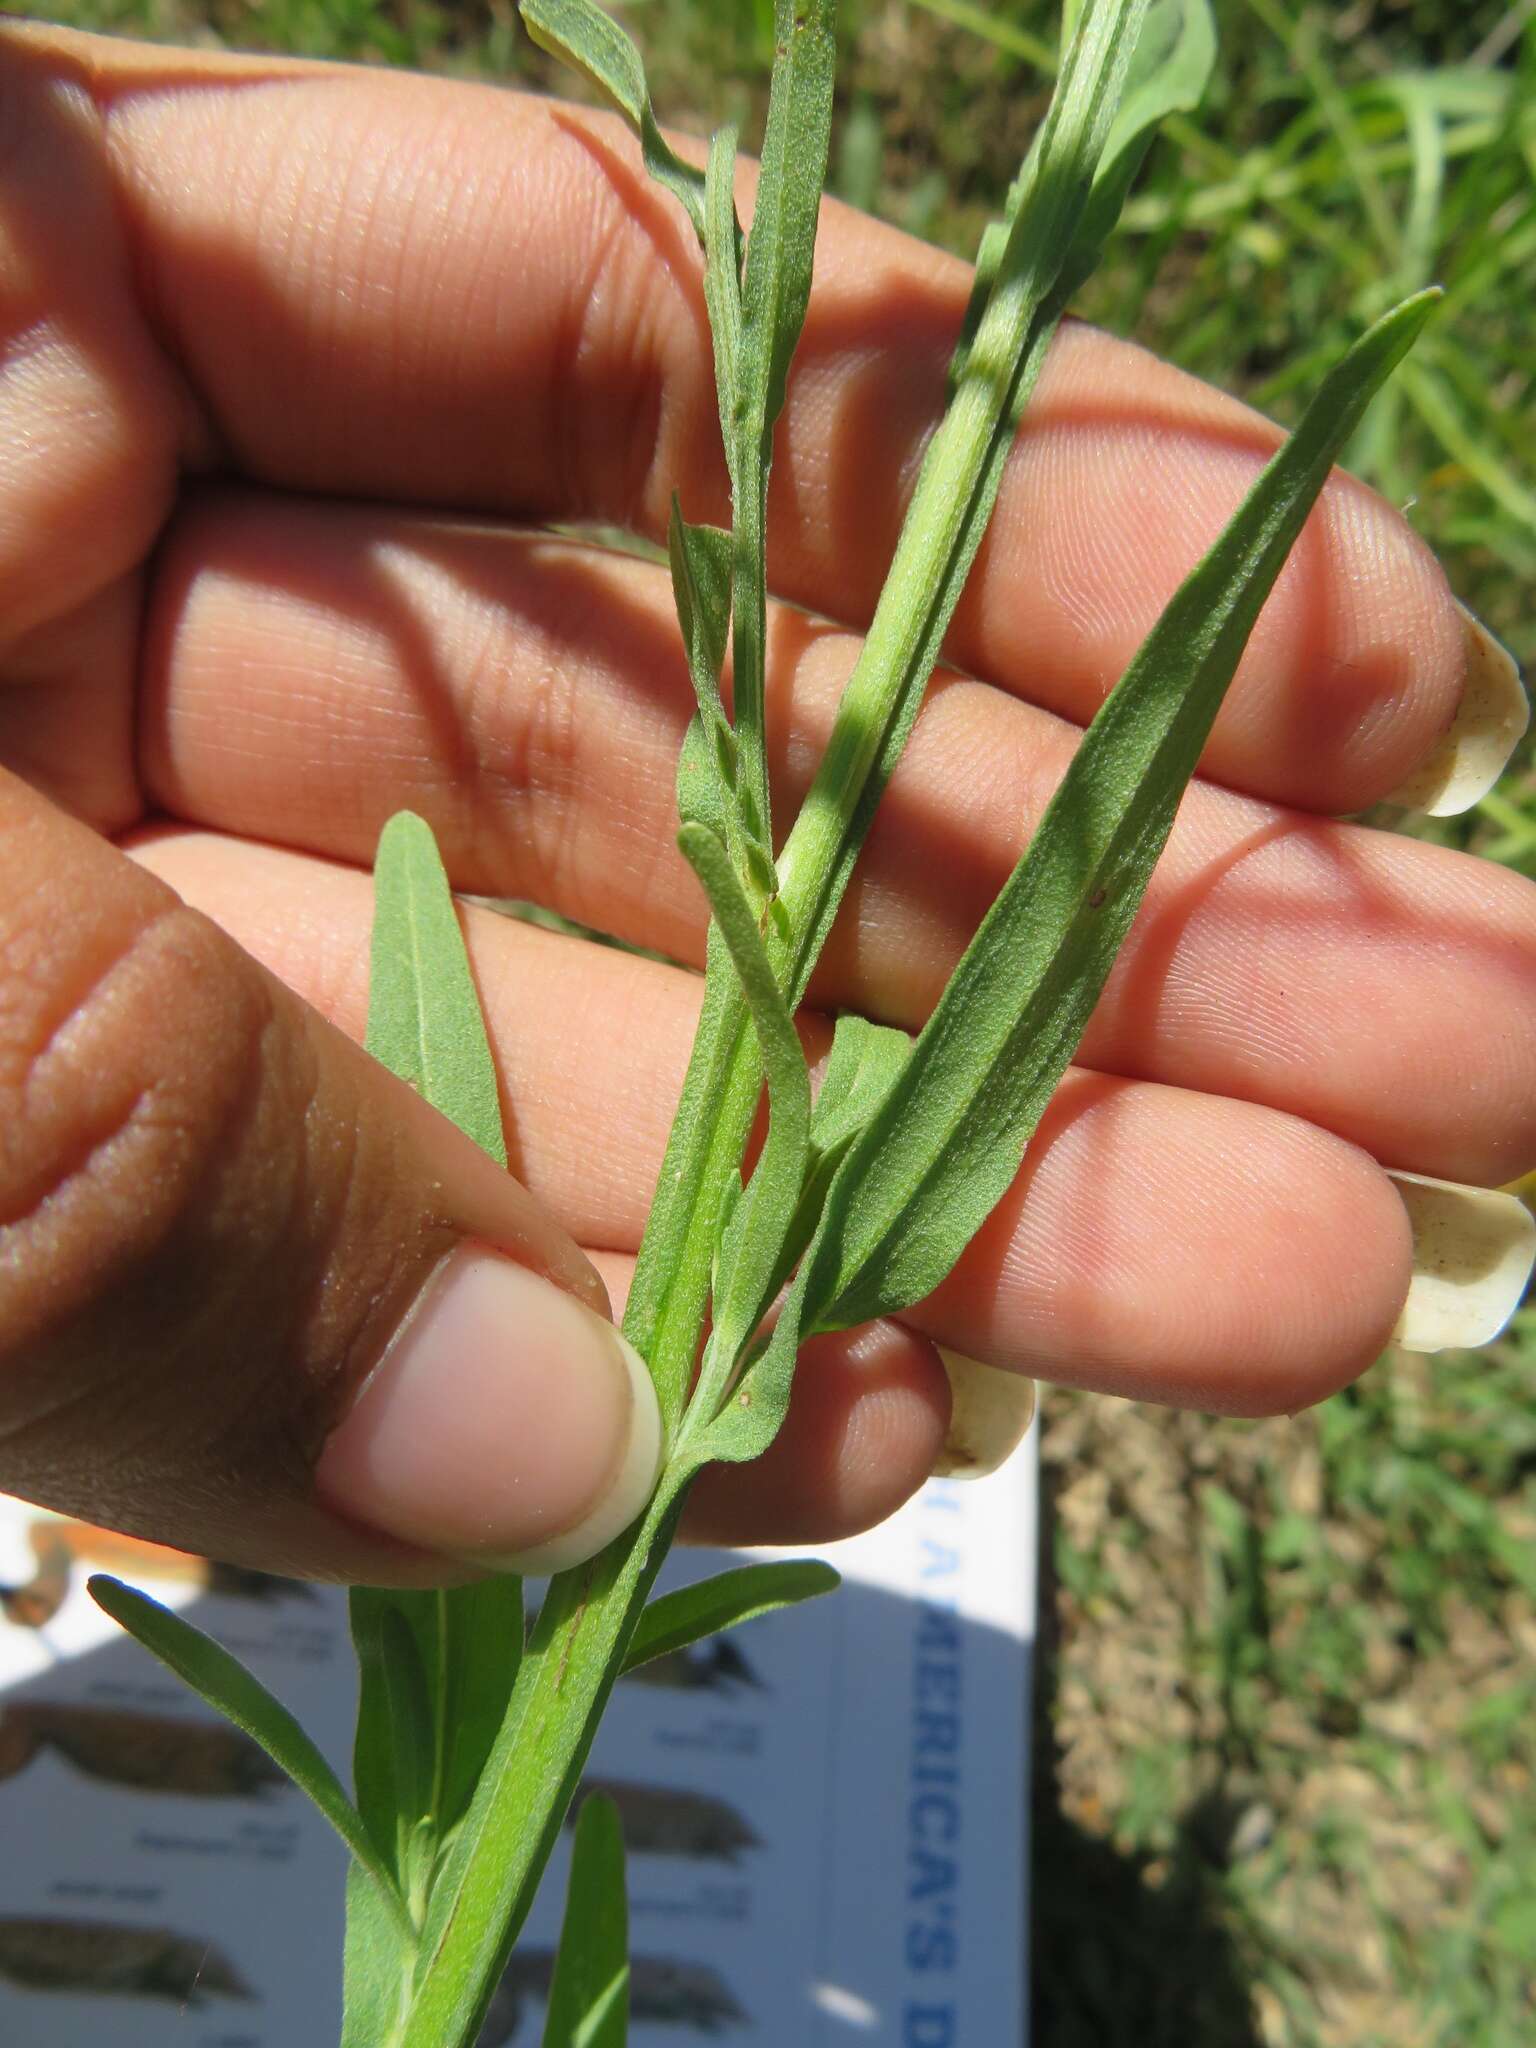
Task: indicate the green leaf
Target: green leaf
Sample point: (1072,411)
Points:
(678,1253)
(700,559)
(775,292)
(702,796)
(589,1994)
(413,1737)
(755,1242)
(224,1682)
(463,1646)
(466,1645)
(776,288)
(1174,58)
(424,1020)
(754,1413)
(423,1732)
(722,279)
(377,1960)
(373,1747)
(674,1620)
(592,43)
(481,1632)
(926,1173)
(861,1071)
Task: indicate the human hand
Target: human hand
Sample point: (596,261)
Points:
(292,348)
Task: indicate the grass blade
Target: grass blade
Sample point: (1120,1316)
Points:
(675,1620)
(927,1172)
(223,1681)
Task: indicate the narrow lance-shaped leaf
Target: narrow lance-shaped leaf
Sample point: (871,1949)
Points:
(722,280)
(688,1614)
(861,1071)
(754,1413)
(414,1740)
(425,1023)
(707,786)
(465,1644)
(399,1732)
(373,1742)
(1175,55)
(435,1668)
(926,1173)
(589,1993)
(702,796)
(424,1020)
(862,1068)
(700,561)
(763,1216)
(957,487)
(775,292)
(1169,74)
(224,1682)
(481,1628)
(865,1064)
(777,285)
(377,1959)
(592,42)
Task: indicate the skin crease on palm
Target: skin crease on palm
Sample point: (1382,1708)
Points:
(295,358)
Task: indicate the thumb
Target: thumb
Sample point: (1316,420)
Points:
(258,1299)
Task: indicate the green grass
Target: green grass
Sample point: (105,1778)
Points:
(1295,1694)
(1287,1744)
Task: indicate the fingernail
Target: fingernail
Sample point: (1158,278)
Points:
(990,1411)
(1473,1250)
(1489,724)
(507,1425)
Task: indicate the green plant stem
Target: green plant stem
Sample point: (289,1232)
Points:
(574,1656)
(956,467)
(943,527)
(749,632)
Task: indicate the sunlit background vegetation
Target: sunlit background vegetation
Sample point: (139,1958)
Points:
(1287,1726)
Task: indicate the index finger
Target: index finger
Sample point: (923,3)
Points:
(384,285)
